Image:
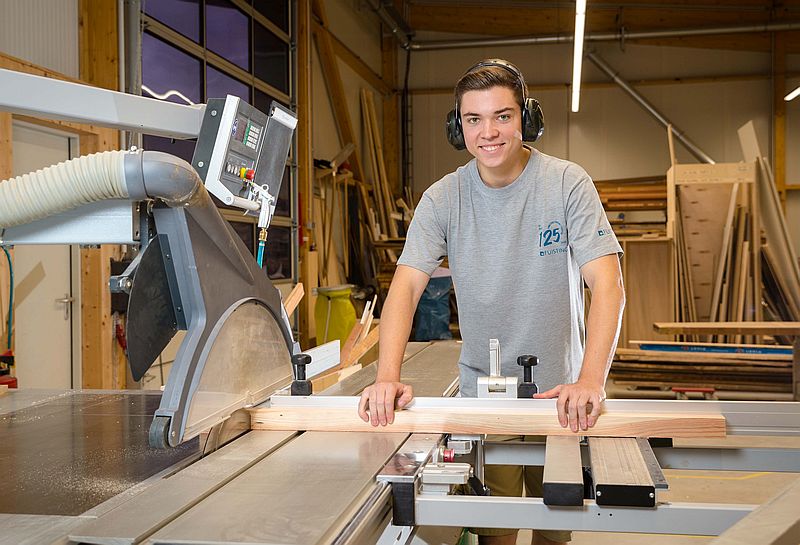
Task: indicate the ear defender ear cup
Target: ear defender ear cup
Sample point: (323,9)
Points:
(454,133)
(532,121)
(532,116)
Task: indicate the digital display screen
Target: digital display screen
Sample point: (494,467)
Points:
(239,128)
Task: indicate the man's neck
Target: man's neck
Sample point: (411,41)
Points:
(504,175)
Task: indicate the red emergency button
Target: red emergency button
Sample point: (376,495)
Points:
(250,174)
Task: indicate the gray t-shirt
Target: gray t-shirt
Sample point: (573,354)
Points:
(515,255)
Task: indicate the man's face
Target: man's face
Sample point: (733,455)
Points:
(491,120)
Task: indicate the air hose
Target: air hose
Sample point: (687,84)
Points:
(10,296)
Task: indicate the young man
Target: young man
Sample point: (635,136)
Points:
(522,232)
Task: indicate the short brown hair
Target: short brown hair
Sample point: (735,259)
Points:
(485,77)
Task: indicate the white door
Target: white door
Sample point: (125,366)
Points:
(43,279)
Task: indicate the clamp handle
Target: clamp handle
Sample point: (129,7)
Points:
(300,385)
(527,388)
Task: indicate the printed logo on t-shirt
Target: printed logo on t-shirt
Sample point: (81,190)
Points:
(603,232)
(552,239)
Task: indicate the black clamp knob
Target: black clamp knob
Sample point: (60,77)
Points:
(527,387)
(300,385)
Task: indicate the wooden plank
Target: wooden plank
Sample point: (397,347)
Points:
(98,43)
(776,522)
(563,471)
(723,259)
(294,298)
(391,113)
(6,171)
(468,418)
(703,219)
(388,201)
(650,292)
(99,66)
(619,473)
(772,219)
(694,357)
(719,173)
(333,81)
(796,370)
(362,347)
(779,111)
(305,169)
(755,258)
(744,328)
(354,61)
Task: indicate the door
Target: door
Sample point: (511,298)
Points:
(44,280)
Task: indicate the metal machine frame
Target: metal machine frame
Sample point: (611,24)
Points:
(187,246)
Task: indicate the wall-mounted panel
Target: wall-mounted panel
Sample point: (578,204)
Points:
(42,32)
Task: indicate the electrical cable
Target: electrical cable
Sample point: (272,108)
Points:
(10,295)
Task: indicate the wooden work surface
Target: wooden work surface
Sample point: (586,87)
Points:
(744,328)
(536,419)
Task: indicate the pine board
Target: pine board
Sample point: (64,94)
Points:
(422,418)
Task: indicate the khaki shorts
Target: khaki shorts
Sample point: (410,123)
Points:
(508,481)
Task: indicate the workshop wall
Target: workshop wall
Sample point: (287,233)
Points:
(42,32)
(358,28)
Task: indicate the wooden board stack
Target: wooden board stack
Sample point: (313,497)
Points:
(736,371)
(635,206)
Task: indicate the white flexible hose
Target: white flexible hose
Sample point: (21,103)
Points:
(61,187)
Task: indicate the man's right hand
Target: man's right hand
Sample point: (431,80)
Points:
(378,401)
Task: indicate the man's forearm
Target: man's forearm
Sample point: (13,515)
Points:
(396,319)
(605,315)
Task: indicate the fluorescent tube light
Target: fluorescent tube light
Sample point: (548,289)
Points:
(577,57)
(792,95)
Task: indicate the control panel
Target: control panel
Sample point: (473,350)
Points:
(241,154)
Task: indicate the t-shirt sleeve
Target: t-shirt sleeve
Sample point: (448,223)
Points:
(590,233)
(426,240)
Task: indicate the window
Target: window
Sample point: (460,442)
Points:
(275,10)
(228,32)
(201,49)
(169,72)
(219,84)
(271,58)
(180,15)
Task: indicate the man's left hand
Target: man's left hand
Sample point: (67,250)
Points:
(578,404)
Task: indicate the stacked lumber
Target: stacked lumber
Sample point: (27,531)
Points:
(331,222)
(387,218)
(635,206)
(384,217)
(734,371)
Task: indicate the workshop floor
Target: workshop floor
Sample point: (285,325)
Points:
(693,486)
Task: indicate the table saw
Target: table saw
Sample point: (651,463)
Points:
(182,467)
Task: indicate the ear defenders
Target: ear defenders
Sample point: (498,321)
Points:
(532,117)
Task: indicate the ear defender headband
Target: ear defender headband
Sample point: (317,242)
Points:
(532,117)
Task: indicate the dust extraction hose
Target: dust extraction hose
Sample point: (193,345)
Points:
(62,187)
(134,175)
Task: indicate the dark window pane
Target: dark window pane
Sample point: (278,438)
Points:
(263,101)
(180,148)
(180,15)
(278,255)
(284,205)
(271,58)
(219,84)
(276,11)
(228,32)
(166,68)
